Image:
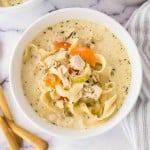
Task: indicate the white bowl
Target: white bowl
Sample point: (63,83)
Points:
(20,7)
(55,17)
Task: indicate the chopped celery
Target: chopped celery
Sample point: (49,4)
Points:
(82,77)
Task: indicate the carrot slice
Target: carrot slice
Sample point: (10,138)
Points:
(86,53)
(60,45)
(52,81)
(48,82)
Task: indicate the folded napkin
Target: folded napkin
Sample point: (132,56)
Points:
(137,124)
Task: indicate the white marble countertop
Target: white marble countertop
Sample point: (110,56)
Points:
(11,28)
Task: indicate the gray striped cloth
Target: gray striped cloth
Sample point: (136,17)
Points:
(137,124)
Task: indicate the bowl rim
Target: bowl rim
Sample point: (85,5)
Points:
(115,121)
(17,7)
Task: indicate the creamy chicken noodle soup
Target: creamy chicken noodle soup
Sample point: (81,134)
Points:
(5,3)
(76,74)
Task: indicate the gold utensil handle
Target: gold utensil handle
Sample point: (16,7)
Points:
(34,140)
(10,138)
(4,106)
(6,111)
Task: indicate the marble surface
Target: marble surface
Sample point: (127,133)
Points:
(12,26)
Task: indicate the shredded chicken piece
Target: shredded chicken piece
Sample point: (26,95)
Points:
(50,62)
(77,63)
(61,55)
(93,92)
(63,74)
(57,38)
(74,43)
(60,104)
